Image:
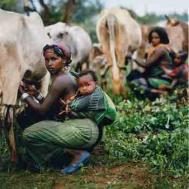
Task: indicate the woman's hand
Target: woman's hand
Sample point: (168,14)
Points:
(31,90)
(28,88)
(21,88)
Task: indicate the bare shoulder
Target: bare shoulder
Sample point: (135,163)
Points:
(161,50)
(64,80)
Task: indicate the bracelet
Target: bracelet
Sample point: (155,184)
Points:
(39,97)
(24,96)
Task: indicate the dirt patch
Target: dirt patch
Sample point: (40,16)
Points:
(123,176)
(102,172)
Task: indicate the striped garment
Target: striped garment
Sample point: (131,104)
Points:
(97,106)
(45,141)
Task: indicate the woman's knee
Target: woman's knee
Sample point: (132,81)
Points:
(29,133)
(25,135)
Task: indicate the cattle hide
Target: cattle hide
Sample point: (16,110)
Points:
(178,34)
(21,41)
(118,33)
(74,37)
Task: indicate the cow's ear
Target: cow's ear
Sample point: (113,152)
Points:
(168,22)
(176,22)
(168,19)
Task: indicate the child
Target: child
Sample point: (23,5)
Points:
(179,73)
(90,101)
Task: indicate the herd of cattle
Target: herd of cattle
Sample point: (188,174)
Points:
(23,37)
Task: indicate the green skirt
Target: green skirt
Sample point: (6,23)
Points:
(157,83)
(46,140)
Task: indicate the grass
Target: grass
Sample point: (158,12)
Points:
(105,171)
(102,172)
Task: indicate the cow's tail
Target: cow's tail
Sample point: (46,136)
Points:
(111,24)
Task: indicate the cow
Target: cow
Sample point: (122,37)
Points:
(98,63)
(118,34)
(76,38)
(21,41)
(178,34)
(142,50)
(145,29)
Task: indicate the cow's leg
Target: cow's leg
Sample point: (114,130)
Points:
(1,134)
(103,76)
(104,40)
(113,31)
(78,67)
(10,133)
(121,42)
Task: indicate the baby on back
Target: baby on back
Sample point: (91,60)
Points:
(91,101)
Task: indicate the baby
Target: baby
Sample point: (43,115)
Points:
(179,73)
(90,101)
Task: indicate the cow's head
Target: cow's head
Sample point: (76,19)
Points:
(175,33)
(171,21)
(58,32)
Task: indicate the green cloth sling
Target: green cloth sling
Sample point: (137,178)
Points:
(98,106)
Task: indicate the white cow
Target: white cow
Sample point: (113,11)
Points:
(75,37)
(21,41)
(118,33)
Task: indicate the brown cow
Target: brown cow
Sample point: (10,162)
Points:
(142,50)
(118,33)
(178,34)
(98,63)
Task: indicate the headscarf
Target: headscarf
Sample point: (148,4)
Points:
(59,50)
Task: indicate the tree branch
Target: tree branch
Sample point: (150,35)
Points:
(46,11)
(68,10)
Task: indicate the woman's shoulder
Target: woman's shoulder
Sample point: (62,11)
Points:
(162,51)
(64,80)
(67,77)
(164,48)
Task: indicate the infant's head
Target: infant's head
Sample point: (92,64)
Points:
(180,57)
(87,82)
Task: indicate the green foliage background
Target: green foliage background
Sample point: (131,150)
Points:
(154,132)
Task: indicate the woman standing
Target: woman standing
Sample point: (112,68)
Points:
(48,140)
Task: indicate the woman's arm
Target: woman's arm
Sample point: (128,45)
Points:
(58,87)
(152,59)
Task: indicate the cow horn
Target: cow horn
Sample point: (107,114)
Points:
(167,18)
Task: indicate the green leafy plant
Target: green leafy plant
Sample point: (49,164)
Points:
(154,132)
